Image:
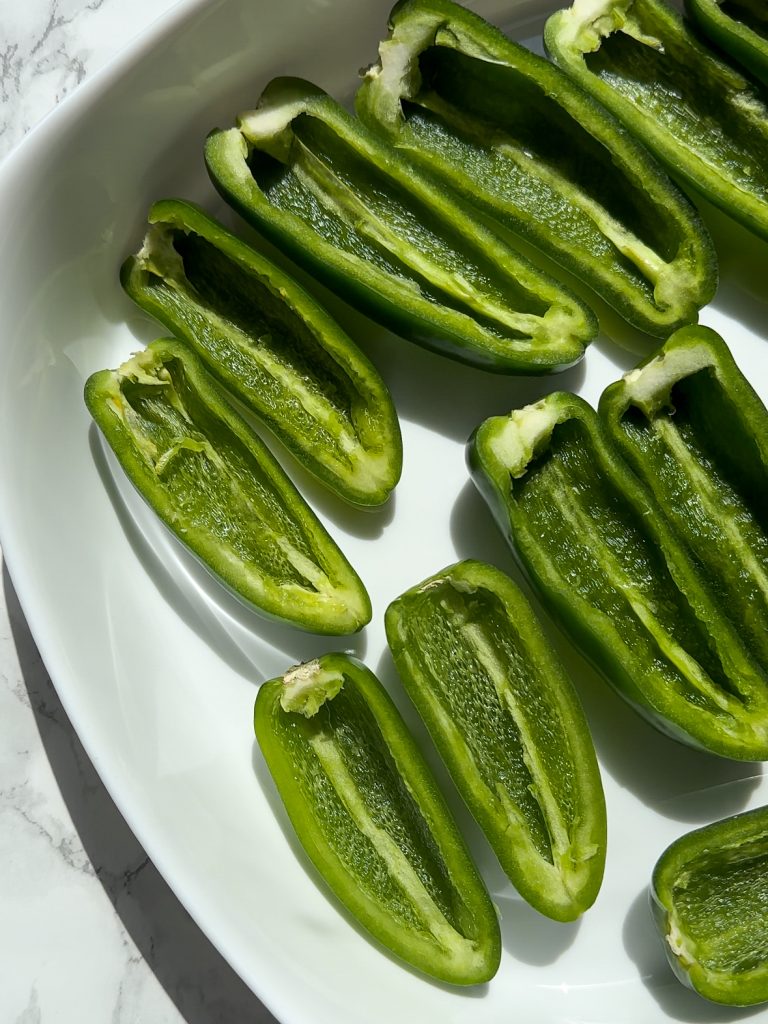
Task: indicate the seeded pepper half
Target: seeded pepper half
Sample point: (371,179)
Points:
(272,346)
(514,136)
(709,894)
(388,239)
(368,813)
(509,726)
(216,486)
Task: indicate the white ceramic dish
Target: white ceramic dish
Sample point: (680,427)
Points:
(158,669)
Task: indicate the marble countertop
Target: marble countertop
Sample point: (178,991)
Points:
(90,931)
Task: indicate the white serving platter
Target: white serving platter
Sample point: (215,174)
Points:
(158,668)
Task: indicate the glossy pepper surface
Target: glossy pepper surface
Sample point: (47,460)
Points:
(369,814)
(509,726)
(740,27)
(389,240)
(272,346)
(220,491)
(702,118)
(616,577)
(708,896)
(693,429)
(516,137)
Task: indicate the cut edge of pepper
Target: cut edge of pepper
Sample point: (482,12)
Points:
(649,387)
(748,988)
(306,687)
(582,27)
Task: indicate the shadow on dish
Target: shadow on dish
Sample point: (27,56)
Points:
(741,253)
(475,534)
(528,935)
(644,946)
(624,357)
(358,521)
(366,523)
(254,646)
(677,781)
(196,978)
(741,256)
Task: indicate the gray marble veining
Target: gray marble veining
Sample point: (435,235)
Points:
(47,47)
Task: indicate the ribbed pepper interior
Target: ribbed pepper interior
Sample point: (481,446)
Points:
(212,478)
(369,215)
(465,650)
(242,326)
(721,900)
(527,153)
(705,469)
(602,553)
(347,723)
(678,92)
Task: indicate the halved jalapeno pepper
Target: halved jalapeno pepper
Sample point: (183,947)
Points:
(704,120)
(216,486)
(272,346)
(514,136)
(390,240)
(709,893)
(368,812)
(509,726)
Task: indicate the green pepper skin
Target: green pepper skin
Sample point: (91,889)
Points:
(513,135)
(273,347)
(694,431)
(388,239)
(708,898)
(615,577)
(509,726)
(371,818)
(216,486)
(702,118)
(741,30)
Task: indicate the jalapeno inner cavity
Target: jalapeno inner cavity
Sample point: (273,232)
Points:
(482,690)
(215,483)
(719,908)
(368,214)
(240,323)
(526,151)
(712,110)
(603,551)
(362,806)
(711,484)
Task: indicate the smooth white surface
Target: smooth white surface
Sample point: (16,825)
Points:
(158,670)
(90,931)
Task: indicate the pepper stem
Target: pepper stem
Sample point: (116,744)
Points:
(308,686)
